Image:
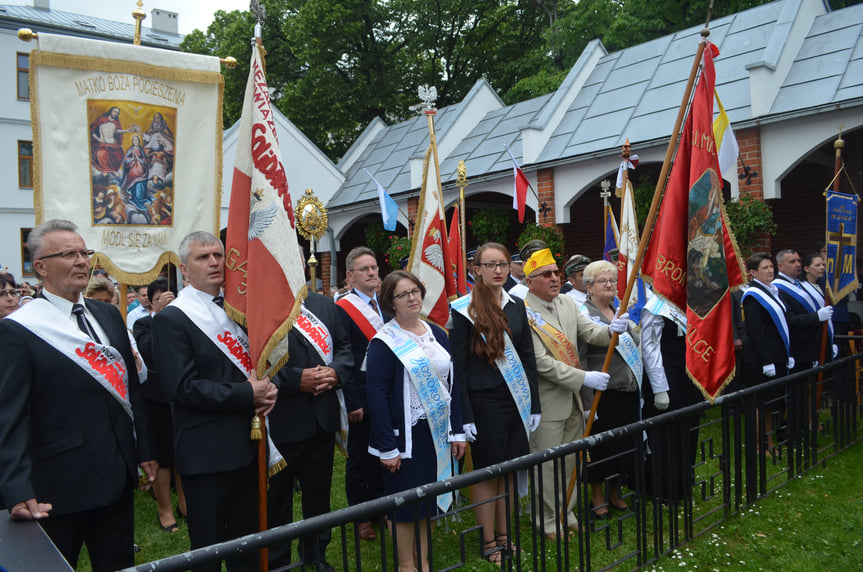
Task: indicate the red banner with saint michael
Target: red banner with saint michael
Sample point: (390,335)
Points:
(264,280)
(692,259)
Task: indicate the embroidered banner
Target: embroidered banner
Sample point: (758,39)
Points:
(841,245)
(127,144)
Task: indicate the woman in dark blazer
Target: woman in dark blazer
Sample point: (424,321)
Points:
(410,440)
(493,420)
(766,349)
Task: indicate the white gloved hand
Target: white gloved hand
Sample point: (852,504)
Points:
(791,363)
(597,380)
(469,430)
(533,421)
(835,351)
(661,401)
(769,370)
(825,313)
(619,324)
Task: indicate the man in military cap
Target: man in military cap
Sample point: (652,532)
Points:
(574,270)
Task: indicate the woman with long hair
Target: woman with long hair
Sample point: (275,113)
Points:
(494,362)
(414,408)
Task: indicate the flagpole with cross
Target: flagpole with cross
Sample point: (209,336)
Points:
(648,227)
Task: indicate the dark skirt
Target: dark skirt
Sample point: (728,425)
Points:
(616,408)
(500,434)
(419,470)
(161,431)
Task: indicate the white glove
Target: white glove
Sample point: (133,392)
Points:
(597,380)
(825,313)
(661,401)
(835,351)
(469,430)
(769,370)
(791,363)
(533,421)
(619,324)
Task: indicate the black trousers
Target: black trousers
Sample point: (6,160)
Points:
(363,481)
(108,532)
(310,462)
(222,506)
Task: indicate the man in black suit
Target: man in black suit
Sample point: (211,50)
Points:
(71,409)
(803,313)
(304,423)
(361,317)
(213,400)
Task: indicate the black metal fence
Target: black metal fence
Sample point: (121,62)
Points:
(688,470)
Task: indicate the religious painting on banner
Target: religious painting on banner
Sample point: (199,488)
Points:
(692,259)
(132,167)
(127,145)
(841,245)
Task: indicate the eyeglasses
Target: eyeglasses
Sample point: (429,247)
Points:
(70,254)
(547,274)
(10,293)
(491,266)
(415,293)
(606,281)
(365,269)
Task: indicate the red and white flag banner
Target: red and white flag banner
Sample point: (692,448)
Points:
(430,254)
(265,280)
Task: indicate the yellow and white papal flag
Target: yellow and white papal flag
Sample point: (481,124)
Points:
(726,142)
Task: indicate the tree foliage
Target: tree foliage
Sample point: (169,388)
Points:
(335,65)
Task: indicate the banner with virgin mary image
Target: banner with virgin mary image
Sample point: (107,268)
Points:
(127,144)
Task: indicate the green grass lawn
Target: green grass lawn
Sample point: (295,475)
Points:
(814,522)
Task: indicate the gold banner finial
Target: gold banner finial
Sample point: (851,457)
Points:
(139,15)
(26,34)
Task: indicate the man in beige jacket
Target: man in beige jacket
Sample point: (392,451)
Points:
(556,323)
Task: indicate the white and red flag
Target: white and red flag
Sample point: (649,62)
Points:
(265,282)
(519,193)
(430,254)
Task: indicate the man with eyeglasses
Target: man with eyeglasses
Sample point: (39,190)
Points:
(362,318)
(556,324)
(72,428)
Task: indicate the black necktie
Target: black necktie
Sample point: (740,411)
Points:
(219,301)
(374,305)
(84,324)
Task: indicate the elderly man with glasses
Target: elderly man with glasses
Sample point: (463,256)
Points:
(72,427)
(557,325)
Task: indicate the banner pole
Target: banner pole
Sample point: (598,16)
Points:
(645,237)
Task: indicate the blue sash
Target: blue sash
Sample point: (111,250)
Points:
(775,308)
(432,393)
(798,293)
(819,302)
(509,366)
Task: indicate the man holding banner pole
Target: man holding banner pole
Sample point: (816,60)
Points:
(208,374)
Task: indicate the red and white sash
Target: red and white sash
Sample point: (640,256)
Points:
(103,363)
(316,333)
(368,321)
(231,340)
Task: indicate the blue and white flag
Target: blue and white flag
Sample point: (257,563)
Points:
(389,208)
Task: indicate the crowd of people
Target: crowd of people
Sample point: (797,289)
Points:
(91,400)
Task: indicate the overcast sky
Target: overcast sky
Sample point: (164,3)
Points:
(192,13)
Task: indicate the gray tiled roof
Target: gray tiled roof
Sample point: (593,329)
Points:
(388,158)
(635,93)
(78,24)
(829,65)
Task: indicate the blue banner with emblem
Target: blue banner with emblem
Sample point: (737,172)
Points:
(841,243)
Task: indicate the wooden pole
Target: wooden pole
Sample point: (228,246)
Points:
(645,236)
(259,421)
(828,298)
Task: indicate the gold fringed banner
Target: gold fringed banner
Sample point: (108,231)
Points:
(127,144)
